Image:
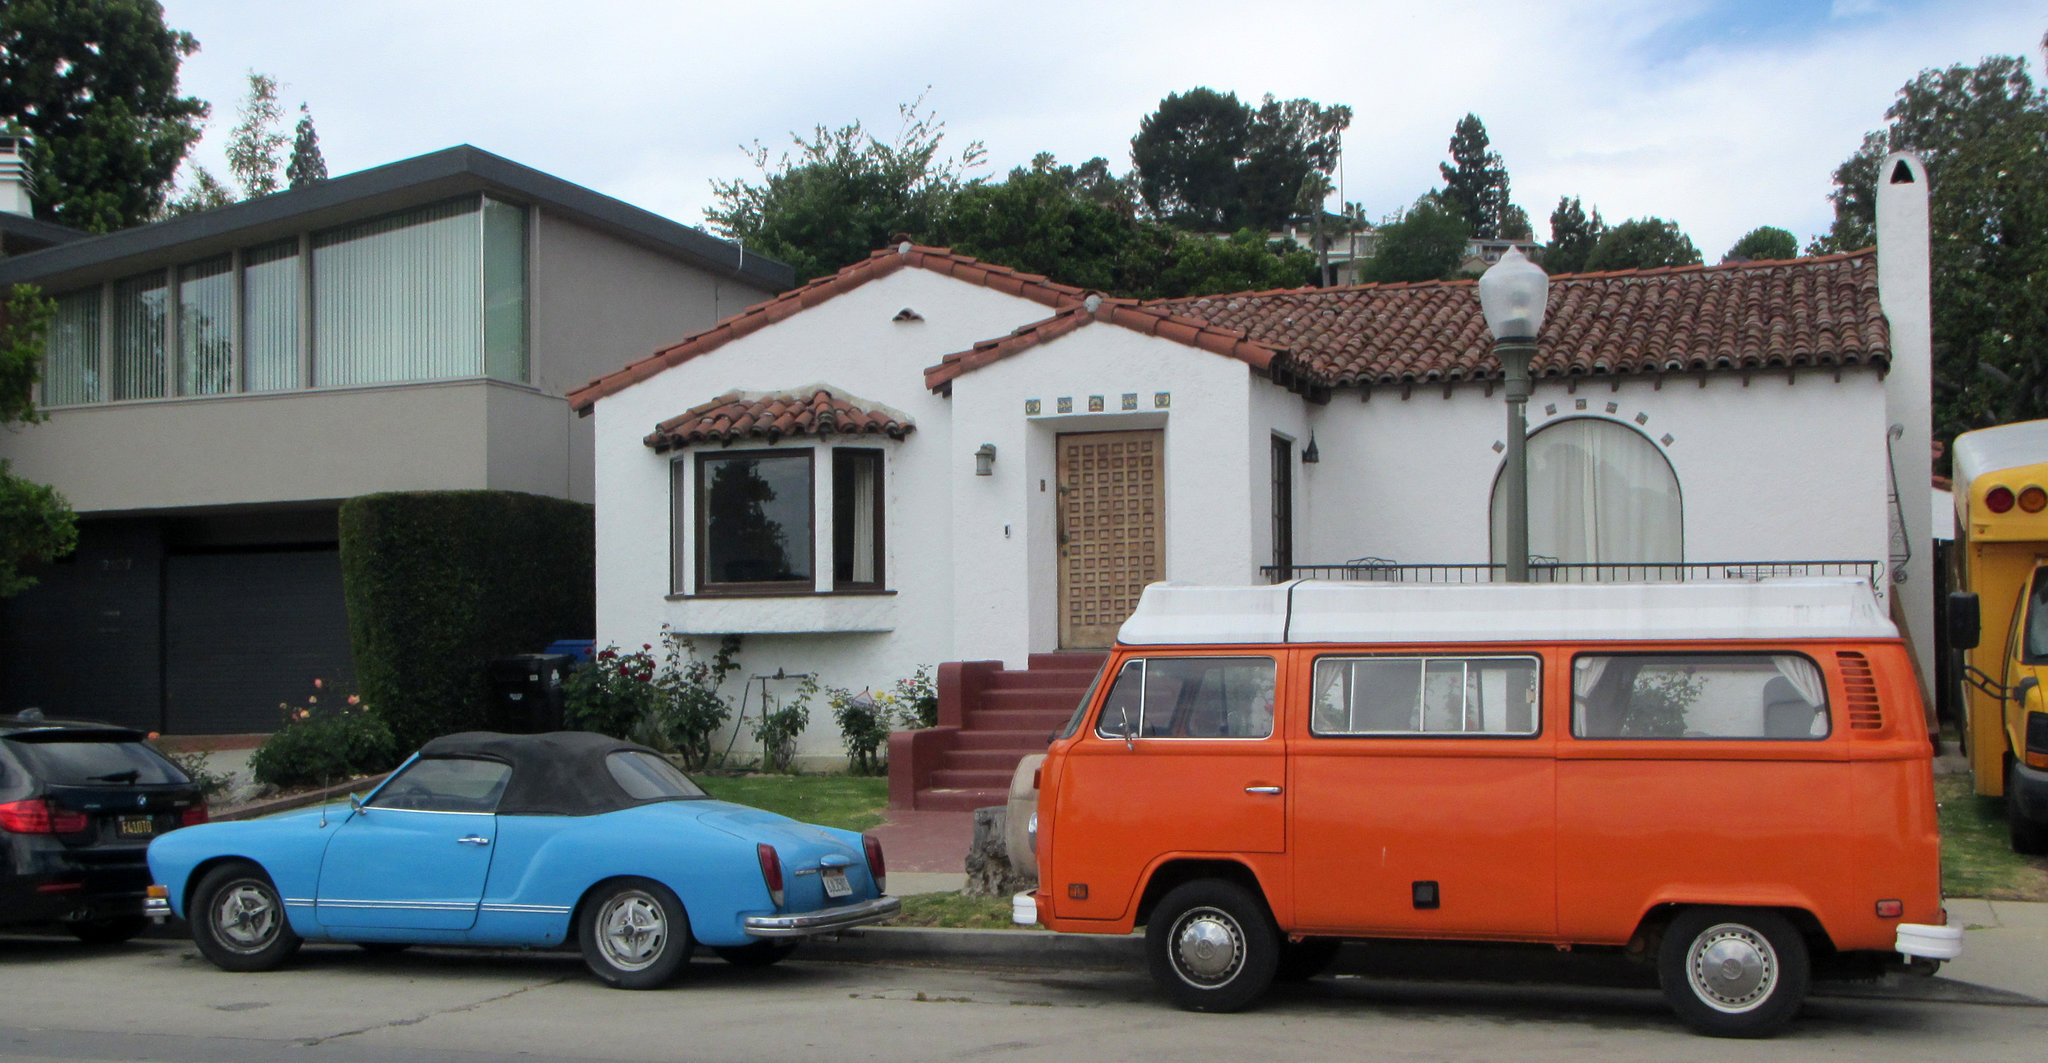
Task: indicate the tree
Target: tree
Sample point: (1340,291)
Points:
(1054,220)
(1207,162)
(1189,264)
(1426,242)
(1766,243)
(1573,236)
(206,193)
(844,194)
(257,141)
(1642,243)
(93,83)
(306,166)
(36,524)
(1476,180)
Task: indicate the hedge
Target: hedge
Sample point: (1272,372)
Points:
(439,583)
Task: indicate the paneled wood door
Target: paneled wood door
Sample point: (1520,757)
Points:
(1110,517)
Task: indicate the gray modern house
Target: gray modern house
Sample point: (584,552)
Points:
(217,384)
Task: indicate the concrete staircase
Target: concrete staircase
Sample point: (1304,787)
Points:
(989,719)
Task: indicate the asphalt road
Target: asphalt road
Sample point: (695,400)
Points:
(159,1000)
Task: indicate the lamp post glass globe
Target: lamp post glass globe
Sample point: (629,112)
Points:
(1512,294)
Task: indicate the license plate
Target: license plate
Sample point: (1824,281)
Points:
(835,882)
(137,826)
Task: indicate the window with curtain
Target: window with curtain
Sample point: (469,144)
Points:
(1599,492)
(1698,695)
(71,361)
(206,327)
(504,253)
(856,519)
(138,366)
(1437,696)
(396,298)
(270,317)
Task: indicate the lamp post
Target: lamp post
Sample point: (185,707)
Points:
(1512,294)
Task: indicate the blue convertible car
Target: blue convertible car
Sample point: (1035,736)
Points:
(491,839)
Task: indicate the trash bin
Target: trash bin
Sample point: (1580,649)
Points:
(526,692)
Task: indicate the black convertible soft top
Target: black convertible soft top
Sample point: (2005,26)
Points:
(558,774)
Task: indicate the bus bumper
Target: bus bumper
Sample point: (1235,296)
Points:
(1922,941)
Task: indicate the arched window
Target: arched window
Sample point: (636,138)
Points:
(1599,492)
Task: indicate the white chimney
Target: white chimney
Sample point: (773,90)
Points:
(1904,291)
(14,183)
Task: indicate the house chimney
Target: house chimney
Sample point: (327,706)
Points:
(14,178)
(1903,291)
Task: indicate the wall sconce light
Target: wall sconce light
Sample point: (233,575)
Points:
(985,460)
(1309,454)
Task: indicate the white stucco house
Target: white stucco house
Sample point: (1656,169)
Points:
(926,458)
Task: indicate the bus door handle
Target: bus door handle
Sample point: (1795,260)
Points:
(1262,789)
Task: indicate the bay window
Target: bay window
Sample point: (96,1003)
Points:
(753,517)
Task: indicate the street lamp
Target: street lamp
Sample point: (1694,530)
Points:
(1512,294)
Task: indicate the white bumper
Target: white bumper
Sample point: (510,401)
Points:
(1024,909)
(1930,942)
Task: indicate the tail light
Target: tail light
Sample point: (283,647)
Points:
(40,816)
(2037,740)
(878,868)
(771,871)
(1998,499)
(193,815)
(2033,499)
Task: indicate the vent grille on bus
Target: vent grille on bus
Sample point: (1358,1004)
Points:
(1861,684)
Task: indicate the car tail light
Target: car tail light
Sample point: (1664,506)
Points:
(193,815)
(1998,499)
(771,871)
(39,816)
(2037,740)
(878,868)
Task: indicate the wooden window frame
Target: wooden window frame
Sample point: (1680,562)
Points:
(881,580)
(700,522)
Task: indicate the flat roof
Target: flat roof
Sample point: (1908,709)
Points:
(2007,446)
(365,193)
(1323,611)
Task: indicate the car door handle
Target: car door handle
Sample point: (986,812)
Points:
(474,839)
(1262,789)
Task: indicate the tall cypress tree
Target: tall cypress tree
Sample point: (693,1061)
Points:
(307,166)
(1476,179)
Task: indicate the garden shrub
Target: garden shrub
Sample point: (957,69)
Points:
(676,707)
(439,583)
(318,745)
(863,726)
(779,728)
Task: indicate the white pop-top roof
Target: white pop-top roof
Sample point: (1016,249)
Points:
(1333,611)
(2003,447)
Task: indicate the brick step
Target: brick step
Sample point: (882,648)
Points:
(1039,723)
(983,759)
(1054,679)
(1068,660)
(971,779)
(1028,741)
(941,800)
(1060,701)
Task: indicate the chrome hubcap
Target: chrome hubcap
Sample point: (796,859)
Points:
(1208,947)
(1732,968)
(632,930)
(245,917)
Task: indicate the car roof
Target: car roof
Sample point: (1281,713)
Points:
(16,725)
(561,773)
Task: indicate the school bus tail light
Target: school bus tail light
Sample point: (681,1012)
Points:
(2037,740)
(2033,499)
(1998,499)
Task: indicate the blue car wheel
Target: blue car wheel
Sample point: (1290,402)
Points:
(238,919)
(634,933)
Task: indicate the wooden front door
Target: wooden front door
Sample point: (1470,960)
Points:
(1109,537)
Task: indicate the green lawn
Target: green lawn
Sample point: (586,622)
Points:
(1976,859)
(845,801)
(956,910)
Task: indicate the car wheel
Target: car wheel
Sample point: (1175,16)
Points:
(1304,959)
(1733,972)
(634,934)
(110,930)
(238,919)
(2028,837)
(756,953)
(1212,946)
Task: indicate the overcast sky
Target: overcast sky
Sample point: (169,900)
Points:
(1721,115)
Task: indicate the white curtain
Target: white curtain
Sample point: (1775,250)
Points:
(863,474)
(1804,677)
(398,297)
(1598,492)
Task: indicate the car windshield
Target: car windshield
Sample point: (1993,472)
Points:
(90,763)
(646,777)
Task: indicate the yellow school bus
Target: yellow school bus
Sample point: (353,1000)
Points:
(1998,618)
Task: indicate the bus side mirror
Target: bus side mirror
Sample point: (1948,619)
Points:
(1964,626)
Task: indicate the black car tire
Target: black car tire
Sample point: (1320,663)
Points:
(238,919)
(1212,945)
(755,953)
(634,933)
(1304,959)
(108,930)
(1733,972)
(2028,837)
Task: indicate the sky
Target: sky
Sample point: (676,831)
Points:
(1720,115)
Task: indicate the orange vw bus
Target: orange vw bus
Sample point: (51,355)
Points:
(1726,778)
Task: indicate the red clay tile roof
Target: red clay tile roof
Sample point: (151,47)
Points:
(1756,315)
(734,417)
(880,264)
(1152,321)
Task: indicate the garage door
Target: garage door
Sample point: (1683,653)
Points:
(246,631)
